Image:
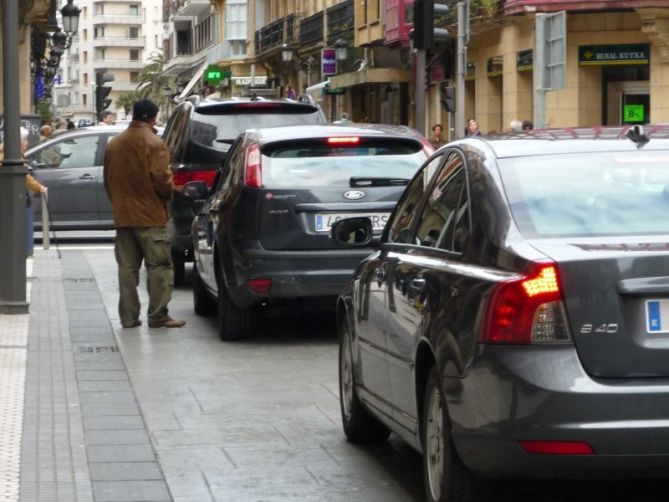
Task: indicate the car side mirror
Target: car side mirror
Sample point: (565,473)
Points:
(196,190)
(353,232)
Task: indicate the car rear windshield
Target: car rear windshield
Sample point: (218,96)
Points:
(593,194)
(218,126)
(318,164)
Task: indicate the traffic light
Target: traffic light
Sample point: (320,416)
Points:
(102,102)
(448,98)
(424,32)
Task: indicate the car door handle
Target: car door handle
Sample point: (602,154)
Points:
(418,284)
(87,176)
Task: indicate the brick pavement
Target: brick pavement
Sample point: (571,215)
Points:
(81,435)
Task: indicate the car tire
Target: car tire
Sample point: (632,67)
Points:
(234,323)
(360,426)
(445,476)
(179,265)
(203,304)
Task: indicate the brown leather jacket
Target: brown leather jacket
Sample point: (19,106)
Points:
(137,177)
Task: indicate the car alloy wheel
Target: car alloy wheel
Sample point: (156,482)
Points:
(346,377)
(434,443)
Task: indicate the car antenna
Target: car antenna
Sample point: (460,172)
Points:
(636,134)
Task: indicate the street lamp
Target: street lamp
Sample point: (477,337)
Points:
(70,15)
(341,47)
(287,53)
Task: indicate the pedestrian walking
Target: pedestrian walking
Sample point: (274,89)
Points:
(527,125)
(472,128)
(45,132)
(290,93)
(106,118)
(437,140)
(139,184)
(32,185)
(60,126)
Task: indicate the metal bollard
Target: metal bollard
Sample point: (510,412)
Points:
(45,222)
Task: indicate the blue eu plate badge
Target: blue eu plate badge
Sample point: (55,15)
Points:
(657,316)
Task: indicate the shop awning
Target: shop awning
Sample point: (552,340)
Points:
(193,81)
(370,76)
(316,91)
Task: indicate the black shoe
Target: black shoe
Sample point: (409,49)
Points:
(132,324)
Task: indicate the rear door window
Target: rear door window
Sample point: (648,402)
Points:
(321,164)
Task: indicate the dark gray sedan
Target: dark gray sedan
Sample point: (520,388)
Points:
(515,318)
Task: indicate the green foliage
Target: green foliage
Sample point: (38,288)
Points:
(153,84)
(43,109)
(126,100)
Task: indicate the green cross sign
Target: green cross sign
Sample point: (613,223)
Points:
(214,74)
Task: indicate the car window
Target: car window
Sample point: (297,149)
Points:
(174,133)
(400,229)
(71,153)
(230,163)
(319,164)
(217,127)
(440,212)
(589,194)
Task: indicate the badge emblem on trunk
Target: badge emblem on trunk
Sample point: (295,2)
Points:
(354,194)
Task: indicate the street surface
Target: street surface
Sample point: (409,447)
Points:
(259,419)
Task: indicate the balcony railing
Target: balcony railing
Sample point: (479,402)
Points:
(275,34)
(399,21)
(532,6)
(119,42)
(311,29)
(118,19)
(340,22)
(100,64)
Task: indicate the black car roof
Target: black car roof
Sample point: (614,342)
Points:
(572,140)
(271,134)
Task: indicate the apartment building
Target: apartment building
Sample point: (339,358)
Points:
(115,37)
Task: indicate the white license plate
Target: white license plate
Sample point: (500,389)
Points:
(325,221)
(657,316)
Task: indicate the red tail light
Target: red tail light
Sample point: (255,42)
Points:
(558,447)
(260,286)
(343,141)
(182,177)
(253,171)
(528,309)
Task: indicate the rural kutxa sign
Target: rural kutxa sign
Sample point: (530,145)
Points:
(599,55)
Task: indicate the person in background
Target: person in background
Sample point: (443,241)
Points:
(516,125)
(70,125)
(45,132)
(106,118)
(472,128)
(290,93)
(527,125)
(437,140)
(139,184)
(60,126)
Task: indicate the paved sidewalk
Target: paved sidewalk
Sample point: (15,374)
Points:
(71,429)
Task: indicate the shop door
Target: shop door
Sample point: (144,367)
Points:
(628,103)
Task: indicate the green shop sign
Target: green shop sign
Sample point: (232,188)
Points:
(600,55)
(633,113)
(214,74)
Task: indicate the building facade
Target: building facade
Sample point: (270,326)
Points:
(115,37)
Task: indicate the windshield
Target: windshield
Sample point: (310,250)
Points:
(597,194)
(320,165)
(219,131)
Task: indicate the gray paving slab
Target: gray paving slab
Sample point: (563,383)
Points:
(125,471)
(131,491)
(117,437)
(121,453)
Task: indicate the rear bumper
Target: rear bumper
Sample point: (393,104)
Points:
(512,394)
(295,274)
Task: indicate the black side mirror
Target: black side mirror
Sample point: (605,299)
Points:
(353,232)
(196,190)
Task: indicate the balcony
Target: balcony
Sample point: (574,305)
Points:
(532,6)
(275,34)
(190,8)
(398,21)
(340,22)
(311,29)
(138,42)
(118,19)
(103,64)
(119,86)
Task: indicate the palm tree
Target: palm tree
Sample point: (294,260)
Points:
(126,100)
(153,84)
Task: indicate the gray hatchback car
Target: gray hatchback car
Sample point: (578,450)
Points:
(515,318)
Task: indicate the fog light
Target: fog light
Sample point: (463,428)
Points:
(260,286)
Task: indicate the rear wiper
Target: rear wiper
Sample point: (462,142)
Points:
(359,181)
(227,141)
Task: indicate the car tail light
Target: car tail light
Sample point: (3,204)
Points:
(253,171)
(528,309)
(558,447)
(261,286)
(344,141)
(182,177)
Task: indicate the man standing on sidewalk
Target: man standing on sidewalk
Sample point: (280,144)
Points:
(139,183)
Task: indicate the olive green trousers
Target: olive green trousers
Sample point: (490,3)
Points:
(151,245)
